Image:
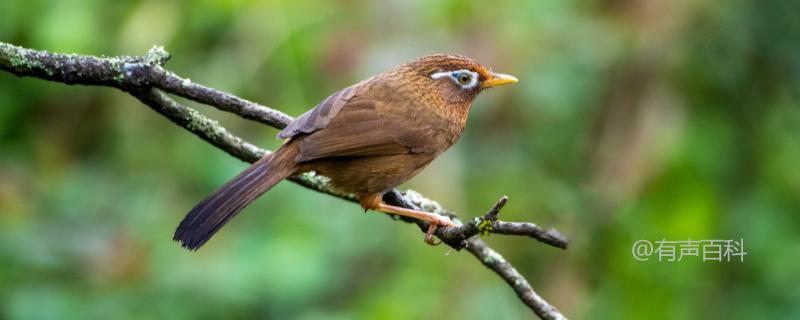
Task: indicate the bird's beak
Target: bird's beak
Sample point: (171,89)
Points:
(498,79)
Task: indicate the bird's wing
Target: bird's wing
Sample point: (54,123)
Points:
(319,116)
(343,126)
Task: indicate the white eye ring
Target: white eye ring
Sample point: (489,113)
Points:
(457,76)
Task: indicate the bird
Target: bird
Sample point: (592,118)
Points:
(366,138)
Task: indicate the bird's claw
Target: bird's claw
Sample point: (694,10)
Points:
(429,235)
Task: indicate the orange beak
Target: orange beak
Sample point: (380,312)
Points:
(499,79)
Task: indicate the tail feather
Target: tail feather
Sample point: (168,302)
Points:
(208,216)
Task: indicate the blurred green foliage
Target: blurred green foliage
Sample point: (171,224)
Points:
(634,119)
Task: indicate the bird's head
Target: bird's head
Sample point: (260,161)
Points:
(456,79)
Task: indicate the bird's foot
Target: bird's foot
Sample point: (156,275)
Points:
(434,220)
(429,235)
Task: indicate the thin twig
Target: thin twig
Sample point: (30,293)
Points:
(493,260)
(145,78)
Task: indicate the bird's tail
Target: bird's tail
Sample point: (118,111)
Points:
(214,211)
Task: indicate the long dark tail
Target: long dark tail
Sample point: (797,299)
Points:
(214,211)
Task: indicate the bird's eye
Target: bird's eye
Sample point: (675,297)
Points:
(463,78)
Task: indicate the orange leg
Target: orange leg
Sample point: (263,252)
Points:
(373,202)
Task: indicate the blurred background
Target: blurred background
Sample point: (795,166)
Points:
(633,119)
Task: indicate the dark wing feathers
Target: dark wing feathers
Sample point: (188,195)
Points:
(357,131)
(342,126)
(318,117)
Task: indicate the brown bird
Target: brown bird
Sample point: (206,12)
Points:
(367,138)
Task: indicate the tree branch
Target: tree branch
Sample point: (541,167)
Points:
(147,80)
